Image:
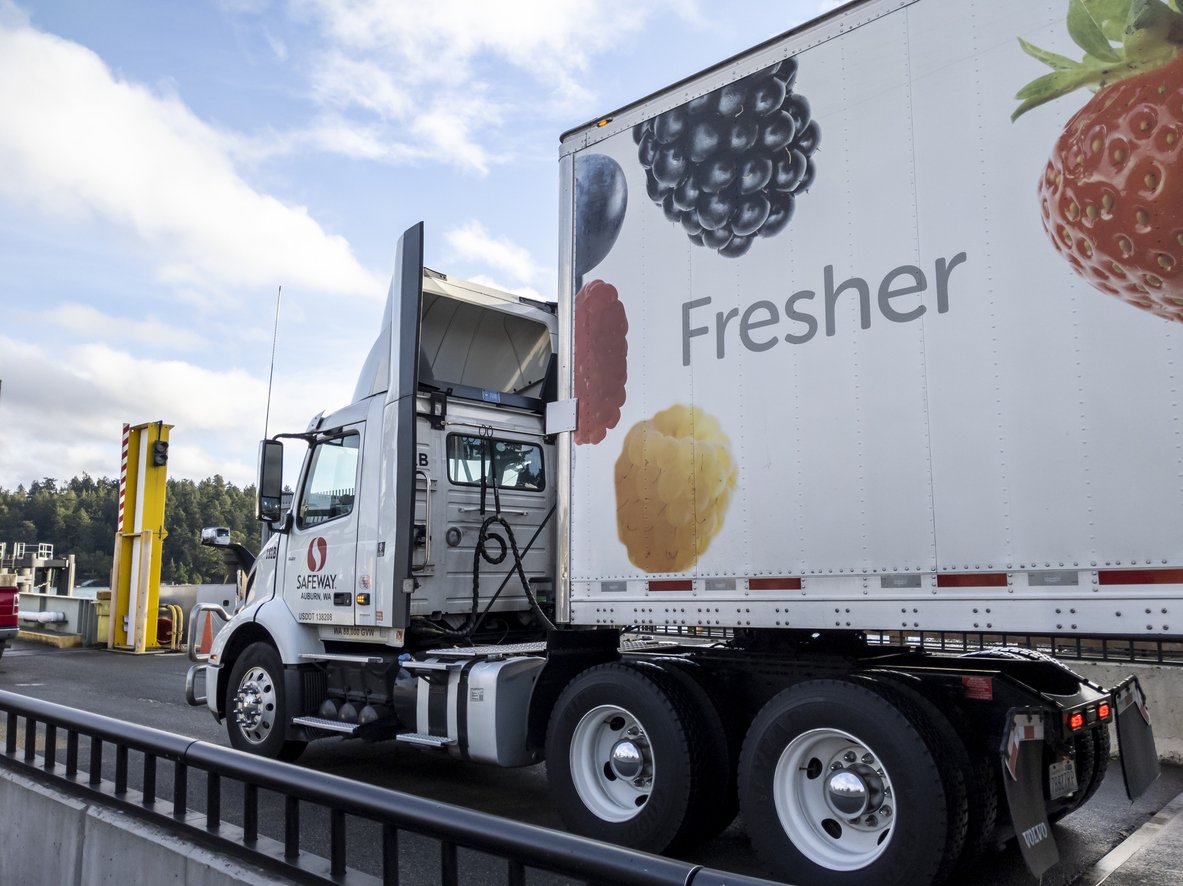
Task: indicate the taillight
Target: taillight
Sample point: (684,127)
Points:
(1104,711)
(1076,721)
(8,607)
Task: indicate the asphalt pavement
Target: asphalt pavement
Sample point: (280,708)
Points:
(1110,840)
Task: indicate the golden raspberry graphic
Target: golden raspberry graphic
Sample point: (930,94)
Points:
(674,479)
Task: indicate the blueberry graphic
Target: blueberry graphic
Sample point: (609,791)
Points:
(730,165)
(601,196)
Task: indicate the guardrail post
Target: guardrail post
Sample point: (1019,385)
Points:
(250,814)
(449,869)
(213,801)
(51,747)
(389,855)
(120,770)
(149,779)
(71,754)
(96,761)
(30,739)
(10,735)
(337,842)
(180,789)
(515,874)
(291,828)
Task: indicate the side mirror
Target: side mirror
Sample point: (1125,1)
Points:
(269,507)
(215,537)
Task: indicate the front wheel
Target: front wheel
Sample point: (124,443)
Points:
(256,711)
(839,787)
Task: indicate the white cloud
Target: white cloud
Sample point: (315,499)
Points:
(428,68)
(93,325)
(71,403)
(472,243)
(79,143)
(341,81)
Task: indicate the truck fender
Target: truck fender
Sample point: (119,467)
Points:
(567,653)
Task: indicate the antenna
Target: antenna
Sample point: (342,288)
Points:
(271,375)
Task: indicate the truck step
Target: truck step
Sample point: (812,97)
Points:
(326,725)
(422,738)
(330,656)
(482,651)
(414,666)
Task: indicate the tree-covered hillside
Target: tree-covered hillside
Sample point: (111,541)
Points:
(78,517)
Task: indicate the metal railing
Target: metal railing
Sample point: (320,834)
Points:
(31,724)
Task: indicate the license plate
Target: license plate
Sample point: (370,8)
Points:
(1061,778)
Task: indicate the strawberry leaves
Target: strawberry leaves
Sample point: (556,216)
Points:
(1148,34)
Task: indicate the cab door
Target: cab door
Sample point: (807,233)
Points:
(320,570)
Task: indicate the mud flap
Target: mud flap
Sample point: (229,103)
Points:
(1135,738)
(1022,776)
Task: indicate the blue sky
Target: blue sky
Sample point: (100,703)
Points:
(165,165)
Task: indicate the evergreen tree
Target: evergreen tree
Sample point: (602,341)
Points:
(78,517)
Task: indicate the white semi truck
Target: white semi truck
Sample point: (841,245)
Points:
(838,351)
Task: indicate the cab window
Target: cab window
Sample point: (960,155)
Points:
(331,482)
(508,463)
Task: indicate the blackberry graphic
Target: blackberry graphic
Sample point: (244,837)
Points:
(728,166)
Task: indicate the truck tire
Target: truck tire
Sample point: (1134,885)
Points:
(838,786)
(719,802)
(625,753)
(256,709)
(971,788)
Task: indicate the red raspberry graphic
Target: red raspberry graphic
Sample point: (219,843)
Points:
(601,360)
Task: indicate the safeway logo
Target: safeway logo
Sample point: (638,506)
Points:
(318,554)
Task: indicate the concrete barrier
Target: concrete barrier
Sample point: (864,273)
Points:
(71,842)
(1164,698)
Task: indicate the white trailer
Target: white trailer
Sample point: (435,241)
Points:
(837,350)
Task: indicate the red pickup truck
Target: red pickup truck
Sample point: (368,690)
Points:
(9,604)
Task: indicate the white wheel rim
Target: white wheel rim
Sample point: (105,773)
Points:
(254,705)
(611,763)
(806,807)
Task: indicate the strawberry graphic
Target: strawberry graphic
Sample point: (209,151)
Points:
(1112,192)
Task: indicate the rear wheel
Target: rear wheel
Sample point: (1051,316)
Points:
(624,756)
(838,785)
(256,711)
(718,803)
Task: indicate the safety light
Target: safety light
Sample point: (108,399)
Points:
(159,453)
